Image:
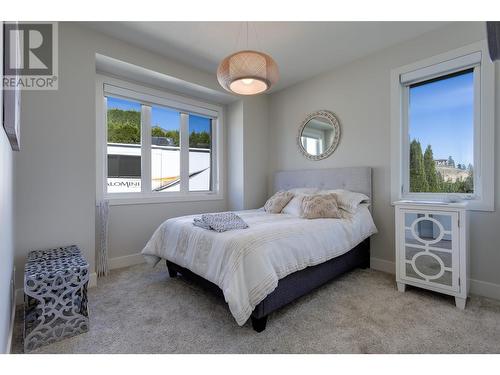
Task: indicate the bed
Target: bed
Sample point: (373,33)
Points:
(280,257)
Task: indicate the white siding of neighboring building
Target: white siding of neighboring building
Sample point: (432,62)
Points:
(165,163)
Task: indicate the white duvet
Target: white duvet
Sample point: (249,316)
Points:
(247,263)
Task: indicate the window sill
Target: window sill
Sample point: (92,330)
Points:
(117,200)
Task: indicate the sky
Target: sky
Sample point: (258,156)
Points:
(167,119)
(441,114)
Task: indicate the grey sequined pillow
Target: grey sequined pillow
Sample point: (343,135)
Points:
(320,206)
(277,202)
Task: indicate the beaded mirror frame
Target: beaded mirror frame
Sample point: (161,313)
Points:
(333,121)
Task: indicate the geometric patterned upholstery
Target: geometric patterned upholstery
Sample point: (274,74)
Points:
(55,296)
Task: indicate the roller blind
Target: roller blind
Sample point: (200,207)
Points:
(445,67)
(166,101)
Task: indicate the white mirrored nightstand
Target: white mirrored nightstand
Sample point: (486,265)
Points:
(432,249)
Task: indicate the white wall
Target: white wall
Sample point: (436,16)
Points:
(6,239)
(235,144)
(359,93)
(256,150)
(248,152)
(6,229)
(55,175)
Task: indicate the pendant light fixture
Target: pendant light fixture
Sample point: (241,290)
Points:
(247,72)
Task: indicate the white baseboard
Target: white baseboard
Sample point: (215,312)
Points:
(93,280)
(478,287)
(126,261)
(383,265)
(11,330)
(485,289)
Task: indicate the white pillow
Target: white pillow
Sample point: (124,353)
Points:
(294,207)
(347,200)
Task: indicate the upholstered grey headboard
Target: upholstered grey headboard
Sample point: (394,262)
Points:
(358,179)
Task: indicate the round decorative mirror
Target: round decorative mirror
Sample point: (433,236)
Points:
(319,135)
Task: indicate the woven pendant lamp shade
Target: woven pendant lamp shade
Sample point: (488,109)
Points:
(247,73)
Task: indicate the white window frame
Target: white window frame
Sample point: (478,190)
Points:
(471,56)
(149,97)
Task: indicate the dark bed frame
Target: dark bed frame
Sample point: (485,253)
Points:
(294,285)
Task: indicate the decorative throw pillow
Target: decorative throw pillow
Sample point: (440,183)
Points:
(347,200)
(277,202)
(320,206)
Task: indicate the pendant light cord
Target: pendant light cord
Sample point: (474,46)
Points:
(246,25)
(240,26)
(259,46)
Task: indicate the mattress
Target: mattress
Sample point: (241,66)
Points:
(246,264)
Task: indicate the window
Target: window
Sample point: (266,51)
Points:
(165,149)
(442,128)
(312,145)
(200,150)
(441,134)
(157,146)
(316,135)
(124,145)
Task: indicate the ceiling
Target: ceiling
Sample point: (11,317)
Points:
(301,49)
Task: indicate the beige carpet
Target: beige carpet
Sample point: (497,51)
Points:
(142,310)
